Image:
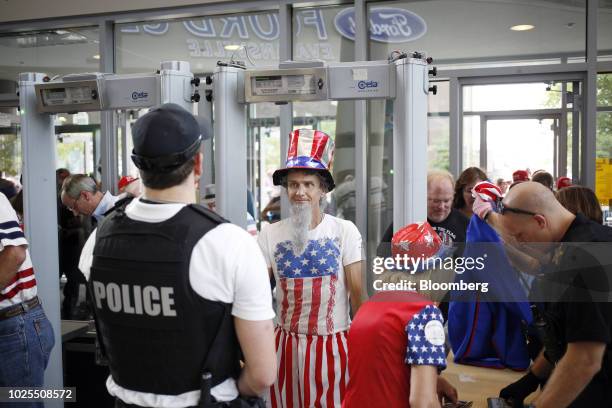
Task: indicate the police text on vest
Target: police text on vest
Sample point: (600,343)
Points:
(134,299)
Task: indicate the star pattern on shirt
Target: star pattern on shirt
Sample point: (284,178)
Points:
(420,350)
(321,257)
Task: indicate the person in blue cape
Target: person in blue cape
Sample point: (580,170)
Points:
(486,327)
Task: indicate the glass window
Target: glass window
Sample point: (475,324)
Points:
(316,36)
(471,141)
(54,52)
(604,30)
(201,41)
(10,154)
(263,151)
(438,127)
(603,159)
(452,31)
(505,97)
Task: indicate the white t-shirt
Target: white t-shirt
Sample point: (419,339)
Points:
(226,266)
(23,285)
(311,289)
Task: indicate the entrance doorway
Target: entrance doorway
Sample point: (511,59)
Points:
(533,124)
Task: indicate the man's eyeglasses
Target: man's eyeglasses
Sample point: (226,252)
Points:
(504,208)
(74,205)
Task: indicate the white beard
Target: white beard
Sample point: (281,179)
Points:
(301,217)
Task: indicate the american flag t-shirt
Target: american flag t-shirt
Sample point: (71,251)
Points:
(426,338)
(22,286)
(310,286)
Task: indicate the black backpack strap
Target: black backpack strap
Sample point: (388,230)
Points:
(213,216)
(120,204)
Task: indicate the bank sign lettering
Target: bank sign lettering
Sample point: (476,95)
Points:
(208,36)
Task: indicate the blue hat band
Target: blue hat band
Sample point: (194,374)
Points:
(305,162)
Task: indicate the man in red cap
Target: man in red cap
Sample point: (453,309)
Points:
(316,261)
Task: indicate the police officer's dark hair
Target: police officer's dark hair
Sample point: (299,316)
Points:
(162,180)
(322,179)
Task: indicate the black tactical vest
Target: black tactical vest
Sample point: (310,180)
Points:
(157,332)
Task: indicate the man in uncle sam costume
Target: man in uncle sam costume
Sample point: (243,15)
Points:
(316,260)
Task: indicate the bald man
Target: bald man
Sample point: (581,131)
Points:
(576,363)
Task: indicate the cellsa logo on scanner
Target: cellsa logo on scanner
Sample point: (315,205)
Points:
(367,84)
(137,95)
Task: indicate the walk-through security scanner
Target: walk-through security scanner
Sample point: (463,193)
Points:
(403,78)
(39,99)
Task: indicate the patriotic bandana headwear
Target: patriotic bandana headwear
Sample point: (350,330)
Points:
(308,149)
(487,191)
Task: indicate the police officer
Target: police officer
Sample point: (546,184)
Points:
(179,293)
(577,360)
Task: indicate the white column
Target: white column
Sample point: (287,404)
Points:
(40,215)
(410,143)
(230,146)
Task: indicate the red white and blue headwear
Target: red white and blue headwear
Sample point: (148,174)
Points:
(308,149)
(487,191)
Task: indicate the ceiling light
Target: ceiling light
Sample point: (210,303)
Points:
(233,47)
(74,37)
(522,27)
(96,57)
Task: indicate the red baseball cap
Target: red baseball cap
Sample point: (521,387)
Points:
(563,182)
(125,180)
(520,175)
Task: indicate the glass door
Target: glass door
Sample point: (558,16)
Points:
(521,142)
(529,125)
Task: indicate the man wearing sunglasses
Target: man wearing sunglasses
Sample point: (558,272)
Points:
(576,362)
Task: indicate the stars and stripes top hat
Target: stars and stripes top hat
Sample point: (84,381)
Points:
(308,149)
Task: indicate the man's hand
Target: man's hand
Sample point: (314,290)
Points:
(516,392)
(481,207)
(354,284)
(446,391)
(11,258)
(423,382)
(572,374)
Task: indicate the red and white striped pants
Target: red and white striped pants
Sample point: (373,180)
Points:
(312,370)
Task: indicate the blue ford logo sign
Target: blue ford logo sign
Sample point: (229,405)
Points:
(387,24)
